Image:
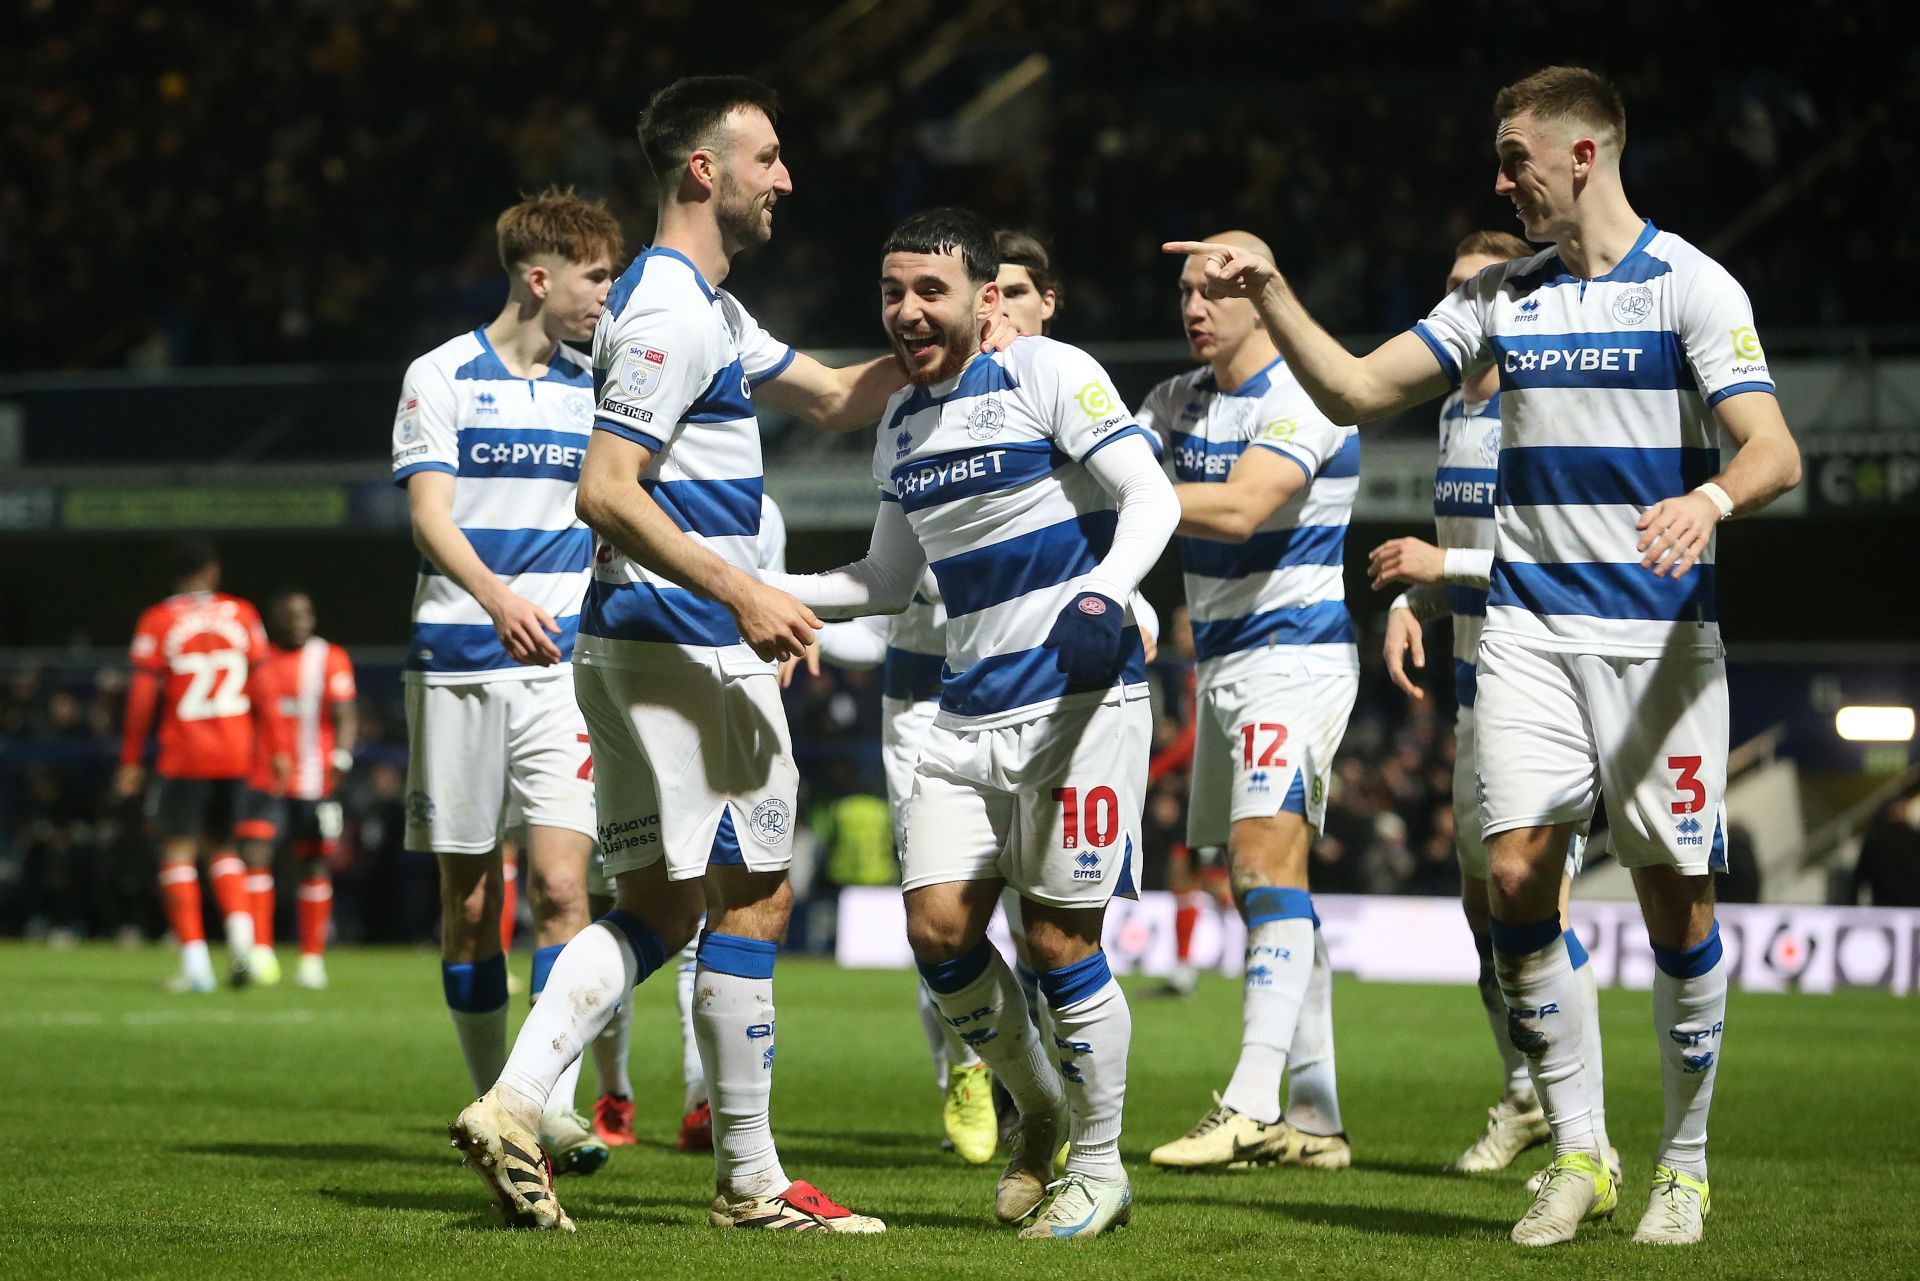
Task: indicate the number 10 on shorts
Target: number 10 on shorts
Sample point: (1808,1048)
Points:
(1098,816)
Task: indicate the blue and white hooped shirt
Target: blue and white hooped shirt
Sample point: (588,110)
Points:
(1606,394)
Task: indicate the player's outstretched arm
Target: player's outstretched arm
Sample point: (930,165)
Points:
(612,501)
(837,400)
(1399,373)
(525,629)
(882,582)
(1675,531)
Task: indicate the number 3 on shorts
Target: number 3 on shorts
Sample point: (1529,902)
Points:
(1688,784)
(1272,738)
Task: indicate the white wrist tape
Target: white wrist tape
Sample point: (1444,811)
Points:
(1718,497)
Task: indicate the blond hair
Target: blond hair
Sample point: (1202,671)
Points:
(557,223)
(1503,245)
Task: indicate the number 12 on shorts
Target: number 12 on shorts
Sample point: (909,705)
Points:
(1098,817)
(1270,739)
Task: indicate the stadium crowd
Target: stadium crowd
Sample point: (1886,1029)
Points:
(289,187)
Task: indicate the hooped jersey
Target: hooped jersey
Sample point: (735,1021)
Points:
(298,689)
(986,466)
(1284,585)
(201,647)
(1463,490)
(1607,388)
(675,363)
(514,447)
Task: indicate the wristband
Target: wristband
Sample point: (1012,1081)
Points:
(342,760)
(1718,497)
(1401,602)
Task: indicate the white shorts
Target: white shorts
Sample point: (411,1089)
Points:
(903,733)
(691,765)
(1263,743)
(1558,730)
(1469,839)
(481,750)
(1050,805)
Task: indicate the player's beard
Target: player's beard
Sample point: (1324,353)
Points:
(742,218)
(956,349)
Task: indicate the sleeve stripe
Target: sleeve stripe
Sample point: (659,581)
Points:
(1287,454)
(1738,389)
(1447,363)
(625,432)
(400,477)
(1132,429)
(773,373)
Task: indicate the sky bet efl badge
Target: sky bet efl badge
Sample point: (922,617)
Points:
(640,368)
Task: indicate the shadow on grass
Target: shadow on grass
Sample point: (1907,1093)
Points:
(862,1149)
(1398,1220)
(472,1208)
(346,1153)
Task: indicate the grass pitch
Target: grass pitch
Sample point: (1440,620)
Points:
(300,1134)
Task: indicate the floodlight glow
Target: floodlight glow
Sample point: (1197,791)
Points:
(1874,724)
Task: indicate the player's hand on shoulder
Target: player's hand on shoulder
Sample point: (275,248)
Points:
(525,630)
(1404,637)
(1231,272)
(1405,560)
(774,624)
(997,332)
(128,780)
(1674,532)
(1088,638)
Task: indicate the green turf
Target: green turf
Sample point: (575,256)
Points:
(290,1133)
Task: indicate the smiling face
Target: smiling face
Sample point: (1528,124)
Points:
(749,179)
(1541,166)
(932,313)
(1027,306)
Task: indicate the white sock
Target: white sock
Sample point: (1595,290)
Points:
(733,1019)
(476,996)
(979,997)
(693,1078)
(1279,964)
(594,973)
(1313,1097)
(566,1089)
(1590,1039)
(1544,1019)
(1513,1064)
(1092,1032)
(240,935)
(1690,1014)
(935,1029)
(195,962)
(610,1051)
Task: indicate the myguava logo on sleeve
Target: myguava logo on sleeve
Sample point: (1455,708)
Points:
(1279,430)
(1096,400)
(1746,343)
(640,368)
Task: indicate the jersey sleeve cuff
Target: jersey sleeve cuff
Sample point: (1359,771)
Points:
(772,372)
(1738,389)
(633,434)
(1287,454)
(1131,429)
(411,469)
(1448,364)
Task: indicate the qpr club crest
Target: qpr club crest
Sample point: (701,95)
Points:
(986,418)
(579,408)
(771,821)
(1633,305)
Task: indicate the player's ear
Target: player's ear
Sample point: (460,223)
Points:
(1585,152)
(988,300)
(539,280)
(704,168)
(1049,303)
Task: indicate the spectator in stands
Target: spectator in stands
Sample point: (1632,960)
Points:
(1888,874)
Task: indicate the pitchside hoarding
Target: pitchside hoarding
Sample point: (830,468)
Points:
(1425,940)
